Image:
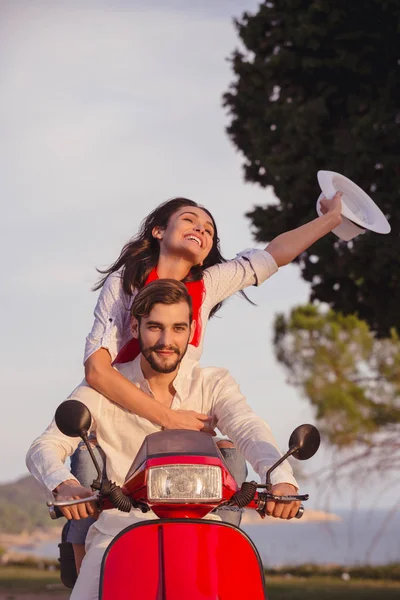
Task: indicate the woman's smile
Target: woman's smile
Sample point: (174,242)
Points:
(193,238)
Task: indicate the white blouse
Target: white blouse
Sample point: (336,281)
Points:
(111,328)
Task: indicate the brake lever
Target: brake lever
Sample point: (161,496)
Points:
(54,506)
(93,498)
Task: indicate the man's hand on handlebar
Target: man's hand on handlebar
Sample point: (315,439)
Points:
(72,490)
(283,510)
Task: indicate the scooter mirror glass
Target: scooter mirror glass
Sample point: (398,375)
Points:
(73,418)
(307,439)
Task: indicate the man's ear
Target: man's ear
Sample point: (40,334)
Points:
(157,232)
(192,330)
(135,327)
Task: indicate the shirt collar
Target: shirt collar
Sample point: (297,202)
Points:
(181,382)
(136,372)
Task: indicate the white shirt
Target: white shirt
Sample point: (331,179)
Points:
(112,312)
(120,433)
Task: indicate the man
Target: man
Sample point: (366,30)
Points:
(162,322)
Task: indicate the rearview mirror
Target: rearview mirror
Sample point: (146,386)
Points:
(73,418)
(303,444)
(305,439)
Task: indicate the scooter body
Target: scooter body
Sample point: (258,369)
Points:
(182,477)
(182,559)
(185,553)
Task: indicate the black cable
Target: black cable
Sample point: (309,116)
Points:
(116,496)
(245,495)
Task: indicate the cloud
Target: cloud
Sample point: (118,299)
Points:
(100,106)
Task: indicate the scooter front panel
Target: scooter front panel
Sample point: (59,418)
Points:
(182,559)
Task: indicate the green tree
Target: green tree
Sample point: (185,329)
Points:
(351,377)
(317,86)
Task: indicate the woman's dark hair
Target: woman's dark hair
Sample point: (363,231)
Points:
(140,255)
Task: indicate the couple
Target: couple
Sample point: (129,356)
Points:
(177,241)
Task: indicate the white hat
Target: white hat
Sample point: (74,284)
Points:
(359,211)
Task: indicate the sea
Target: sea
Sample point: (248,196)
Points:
(359,538)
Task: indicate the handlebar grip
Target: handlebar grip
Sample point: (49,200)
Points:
(55,512)
(291,498)
(300,512)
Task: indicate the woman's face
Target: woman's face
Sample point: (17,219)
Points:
(189,233)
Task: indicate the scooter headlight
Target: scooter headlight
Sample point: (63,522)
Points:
(191,483)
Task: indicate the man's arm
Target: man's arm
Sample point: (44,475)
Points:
(254,439)
(45,460)
(47,455)
(251,434)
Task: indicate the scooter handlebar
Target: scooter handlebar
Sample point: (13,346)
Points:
(54,507)
(55,512)
(293,498)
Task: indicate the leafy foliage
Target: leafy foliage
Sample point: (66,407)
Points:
(351,377)
(317,86)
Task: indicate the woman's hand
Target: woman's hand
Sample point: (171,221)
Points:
(188,419)
(333,207)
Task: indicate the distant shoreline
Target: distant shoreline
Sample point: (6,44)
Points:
(22,544)
(251,517)
(346,538)
(30,540)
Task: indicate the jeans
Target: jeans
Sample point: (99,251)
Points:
(238,469)
(83,469)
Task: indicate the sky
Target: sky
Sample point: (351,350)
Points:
(108,109)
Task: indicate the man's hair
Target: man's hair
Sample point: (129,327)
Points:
(161,291)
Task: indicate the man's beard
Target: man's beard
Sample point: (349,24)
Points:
(155,361)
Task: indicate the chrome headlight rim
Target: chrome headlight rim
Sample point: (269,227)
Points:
(185,469)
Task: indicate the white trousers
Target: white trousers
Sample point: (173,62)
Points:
(87,584)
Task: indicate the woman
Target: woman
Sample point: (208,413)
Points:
(165,247)
(177,240)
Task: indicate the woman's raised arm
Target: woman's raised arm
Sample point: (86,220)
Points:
(287,246)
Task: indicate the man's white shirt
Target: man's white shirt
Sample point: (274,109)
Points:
(120,433)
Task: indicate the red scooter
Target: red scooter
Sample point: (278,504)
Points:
(181,476)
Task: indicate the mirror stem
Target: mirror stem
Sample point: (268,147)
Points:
(96,485)
(291,451)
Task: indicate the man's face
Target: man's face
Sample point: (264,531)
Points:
(164,335)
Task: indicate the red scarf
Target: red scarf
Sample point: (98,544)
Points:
(196,291)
